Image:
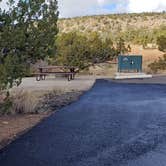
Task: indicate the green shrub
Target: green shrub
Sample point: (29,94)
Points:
(5,105)
(78,49)
(158,65)
(161,41)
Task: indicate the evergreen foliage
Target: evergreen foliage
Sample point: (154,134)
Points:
(161,63)
(76,49)
(27,33)
(161,41)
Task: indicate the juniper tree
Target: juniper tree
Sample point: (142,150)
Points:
(27,33)
(161,41)
(121,47)
(76,49)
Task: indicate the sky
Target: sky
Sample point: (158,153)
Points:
(73,8)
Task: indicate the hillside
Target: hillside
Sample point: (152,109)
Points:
(139,30)
(114,23)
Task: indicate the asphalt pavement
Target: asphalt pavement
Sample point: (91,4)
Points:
(113,124)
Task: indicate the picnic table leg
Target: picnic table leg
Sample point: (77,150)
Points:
(68,77)
(38,78)
(72,70)
(43,77)
(73,76)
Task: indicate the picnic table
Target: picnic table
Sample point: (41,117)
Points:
(67,71)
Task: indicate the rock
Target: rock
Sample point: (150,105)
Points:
(5,122)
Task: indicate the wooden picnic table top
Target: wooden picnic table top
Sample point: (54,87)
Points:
(43,72)
(56,67)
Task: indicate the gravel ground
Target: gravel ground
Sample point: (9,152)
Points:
(81,83)
(113,124)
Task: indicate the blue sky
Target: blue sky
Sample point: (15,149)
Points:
(110,7)
(73,8)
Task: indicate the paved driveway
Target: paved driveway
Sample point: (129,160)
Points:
(113,124)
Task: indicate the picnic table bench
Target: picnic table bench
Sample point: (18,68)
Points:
(67,71)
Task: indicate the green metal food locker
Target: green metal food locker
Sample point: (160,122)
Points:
(129,63)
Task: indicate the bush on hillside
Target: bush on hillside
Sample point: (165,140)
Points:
(161,63)
(158,65)
(76,49)
(161,41)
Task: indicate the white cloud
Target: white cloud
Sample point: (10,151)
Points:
(101,2)
(3,4)
(71,8)
(146,5)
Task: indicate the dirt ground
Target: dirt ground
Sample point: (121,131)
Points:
(12,126)
(149,55)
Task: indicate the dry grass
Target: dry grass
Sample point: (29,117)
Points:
(31,102)
(24,102)
(103,69)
